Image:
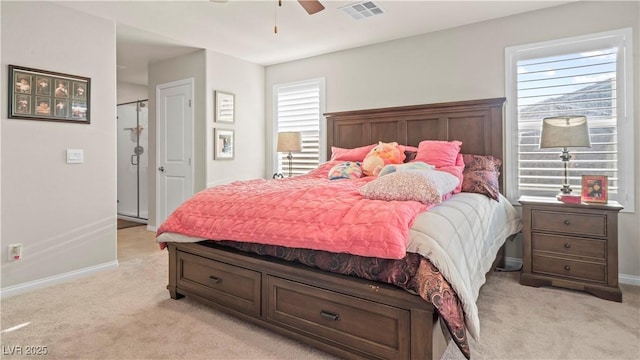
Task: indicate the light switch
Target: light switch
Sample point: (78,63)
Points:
(75,156)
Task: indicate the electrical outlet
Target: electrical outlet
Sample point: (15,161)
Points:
(15,252)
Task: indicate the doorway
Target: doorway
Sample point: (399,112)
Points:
(133,163)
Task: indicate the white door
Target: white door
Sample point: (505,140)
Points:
(175,146)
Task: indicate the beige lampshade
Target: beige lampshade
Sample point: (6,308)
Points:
(289,141)
(565,131)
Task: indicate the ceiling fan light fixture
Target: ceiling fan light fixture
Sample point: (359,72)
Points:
(362,9)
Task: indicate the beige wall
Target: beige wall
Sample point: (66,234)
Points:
(461,64)
(246,81)
(131,92)
(63,214)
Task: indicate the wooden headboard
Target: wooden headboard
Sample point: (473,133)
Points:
(477,123)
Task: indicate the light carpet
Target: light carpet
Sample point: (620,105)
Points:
(127,314)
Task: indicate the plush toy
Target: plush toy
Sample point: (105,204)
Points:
(381,155)
(346,170)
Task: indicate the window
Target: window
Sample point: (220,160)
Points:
(588,75)
(298,107)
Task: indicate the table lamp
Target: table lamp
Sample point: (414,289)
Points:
(289,142)
(564,132)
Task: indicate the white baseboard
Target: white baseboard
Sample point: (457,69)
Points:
(152,228)
(516,263)
(629,279)
(132,219)
(56,279)
(511,262)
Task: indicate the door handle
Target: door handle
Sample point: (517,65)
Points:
(161,169)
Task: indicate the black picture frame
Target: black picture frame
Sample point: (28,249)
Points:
(48,96)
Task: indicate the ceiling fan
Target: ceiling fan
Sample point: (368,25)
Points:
(311,6)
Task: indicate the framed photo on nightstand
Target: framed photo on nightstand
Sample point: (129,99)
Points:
(594,188)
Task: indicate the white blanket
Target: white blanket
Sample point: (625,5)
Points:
(461,237)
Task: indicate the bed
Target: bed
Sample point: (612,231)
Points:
(340,302)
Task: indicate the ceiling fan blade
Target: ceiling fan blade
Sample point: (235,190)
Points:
(312,6)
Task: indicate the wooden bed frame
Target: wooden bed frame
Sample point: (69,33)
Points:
(339,314)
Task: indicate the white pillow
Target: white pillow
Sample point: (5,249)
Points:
(445,181)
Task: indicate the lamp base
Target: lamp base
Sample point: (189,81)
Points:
(566,189)
(567,198)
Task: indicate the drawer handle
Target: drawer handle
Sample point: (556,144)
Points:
(567,267)
(330,316)
(567,222)
(567,245)
(216,280)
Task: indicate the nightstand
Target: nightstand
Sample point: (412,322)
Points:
(574,246)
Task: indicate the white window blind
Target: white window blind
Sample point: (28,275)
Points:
(584,76)
(571,84)
(298,109)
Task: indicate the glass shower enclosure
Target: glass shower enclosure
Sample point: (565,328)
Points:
(133,125)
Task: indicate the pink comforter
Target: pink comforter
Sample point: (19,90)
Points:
(308,211)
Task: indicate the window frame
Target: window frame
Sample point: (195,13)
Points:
(322,145)
(621,38)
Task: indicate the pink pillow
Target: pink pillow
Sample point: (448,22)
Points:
(438,153)
(357,154)
(460,161)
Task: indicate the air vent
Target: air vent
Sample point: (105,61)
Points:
(361,10)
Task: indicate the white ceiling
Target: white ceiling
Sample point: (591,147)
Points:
(149,31)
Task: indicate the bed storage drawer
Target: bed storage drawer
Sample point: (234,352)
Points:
(232,286)
(374,329)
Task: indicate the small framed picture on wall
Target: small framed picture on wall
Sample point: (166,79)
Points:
(224,103)
(595,188)
(223,140)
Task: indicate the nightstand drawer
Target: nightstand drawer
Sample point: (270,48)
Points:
(565,245)
(568,222)
(589,271)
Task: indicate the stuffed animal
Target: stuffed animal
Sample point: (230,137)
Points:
(346,170)
(381,155)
